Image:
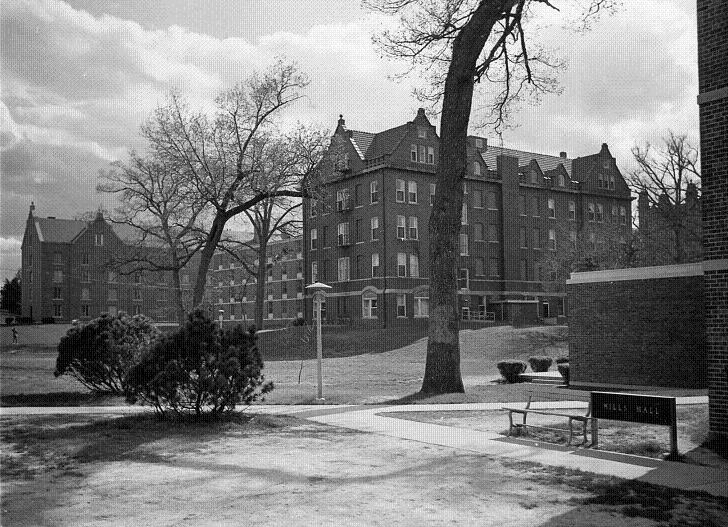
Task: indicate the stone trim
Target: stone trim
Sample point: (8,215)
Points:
(637,273)
(715,265)
(713,95)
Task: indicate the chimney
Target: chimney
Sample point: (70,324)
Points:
(32,209)
(562,155)
(341,120)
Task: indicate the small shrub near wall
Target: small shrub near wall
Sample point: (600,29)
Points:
(540,363)
(562,360)
(564,371)
(511,369)
(199,369)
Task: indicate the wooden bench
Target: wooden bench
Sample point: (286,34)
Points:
(582,417)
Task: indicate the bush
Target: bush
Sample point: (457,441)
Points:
(511,369)
(540,363)
(199,368)
(9,320)
(299,321)
(47,320)
(23,321)
(562,360)
(100,353)
(564,371)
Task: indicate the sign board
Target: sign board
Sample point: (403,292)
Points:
(648,409)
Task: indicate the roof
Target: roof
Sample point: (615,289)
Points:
(361,141)
(386,142)
(58,231)
(544,161)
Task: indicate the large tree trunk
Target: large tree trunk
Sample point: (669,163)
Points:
(213,238)
(260,282)
(442,369)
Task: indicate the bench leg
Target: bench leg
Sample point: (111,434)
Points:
(571,431)
(510,423)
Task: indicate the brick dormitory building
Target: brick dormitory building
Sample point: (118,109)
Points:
(523,214)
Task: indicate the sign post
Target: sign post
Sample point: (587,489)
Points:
(318,298)
(648,409)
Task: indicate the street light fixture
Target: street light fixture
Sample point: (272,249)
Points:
(319,294)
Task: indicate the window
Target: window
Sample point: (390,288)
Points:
(401,264)
(535,206)
(552,208)
(56,293)
(57,259)
(422,306)
(422,132)
(313,205)
(357,231)
(572,210)
(561,180)
(270,310)
(622,215)
(375,228)
(401,227)
(494,268)
(30,277)
(314,272)
(112,295)
(57,310)
(357,194)
(369,305)
(360,266)
(413,231)
(412,191)
(374,192)
(464,215)
(85,275)
(463,245)
(477,199)
(524,238)
(422,154)
(284,273)
(476,168)
(85,293)
(111,310)
(478,142)
(592,241)
(552,239)
(400,191)
(344,275)
(324,270)
(523,270)
(432,193)
(615,213)
(534,177)
(612,182)
(491,202)
(493,233)
(401,306)
(270,273)
(430,155)
(99,240)
(464,282)
(600,181)
(465,187)
(314,239)
(84,259)
(536,238)
(343,234)
(375,264)
(84,310)
(478,232)
(600,213)
(342,200)
(572,239)
(324,233)
(58,276)
(413,153)
(479,266)
(591,212)
(521,204)
(414,262)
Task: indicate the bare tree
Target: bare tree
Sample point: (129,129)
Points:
(667,181)
(459,43)
(222,154)
(284,161)
(164,210)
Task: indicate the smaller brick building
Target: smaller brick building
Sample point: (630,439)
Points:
(638,327)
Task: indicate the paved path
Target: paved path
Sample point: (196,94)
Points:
(377,420)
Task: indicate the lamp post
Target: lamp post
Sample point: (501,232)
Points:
(222,312)
(319,295)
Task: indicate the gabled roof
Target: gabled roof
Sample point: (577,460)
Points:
(58,231)
(386,142)
(545,162)
(361,141)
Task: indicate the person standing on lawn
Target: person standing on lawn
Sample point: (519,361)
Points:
(15,335)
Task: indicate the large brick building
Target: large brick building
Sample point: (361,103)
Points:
(713,101)
(523,214)
(66,273)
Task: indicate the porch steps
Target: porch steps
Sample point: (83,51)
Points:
(546,377)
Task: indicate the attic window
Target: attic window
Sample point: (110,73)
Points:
(99,240)
(534,177)
(422,132)
(561,180)
(478,142)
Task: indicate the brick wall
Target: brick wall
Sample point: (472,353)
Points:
(638,327)
(713,101)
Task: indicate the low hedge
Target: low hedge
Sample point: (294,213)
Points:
(540,363)
(511,369)
(562,360)
(564,371)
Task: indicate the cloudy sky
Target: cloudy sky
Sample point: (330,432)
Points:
(79,77)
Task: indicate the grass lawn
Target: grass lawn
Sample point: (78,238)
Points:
(265,470)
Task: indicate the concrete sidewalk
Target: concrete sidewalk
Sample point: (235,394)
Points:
(376,420)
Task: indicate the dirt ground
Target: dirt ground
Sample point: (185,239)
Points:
(272,470)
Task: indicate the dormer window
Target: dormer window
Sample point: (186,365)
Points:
(534,177)
(561,181)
